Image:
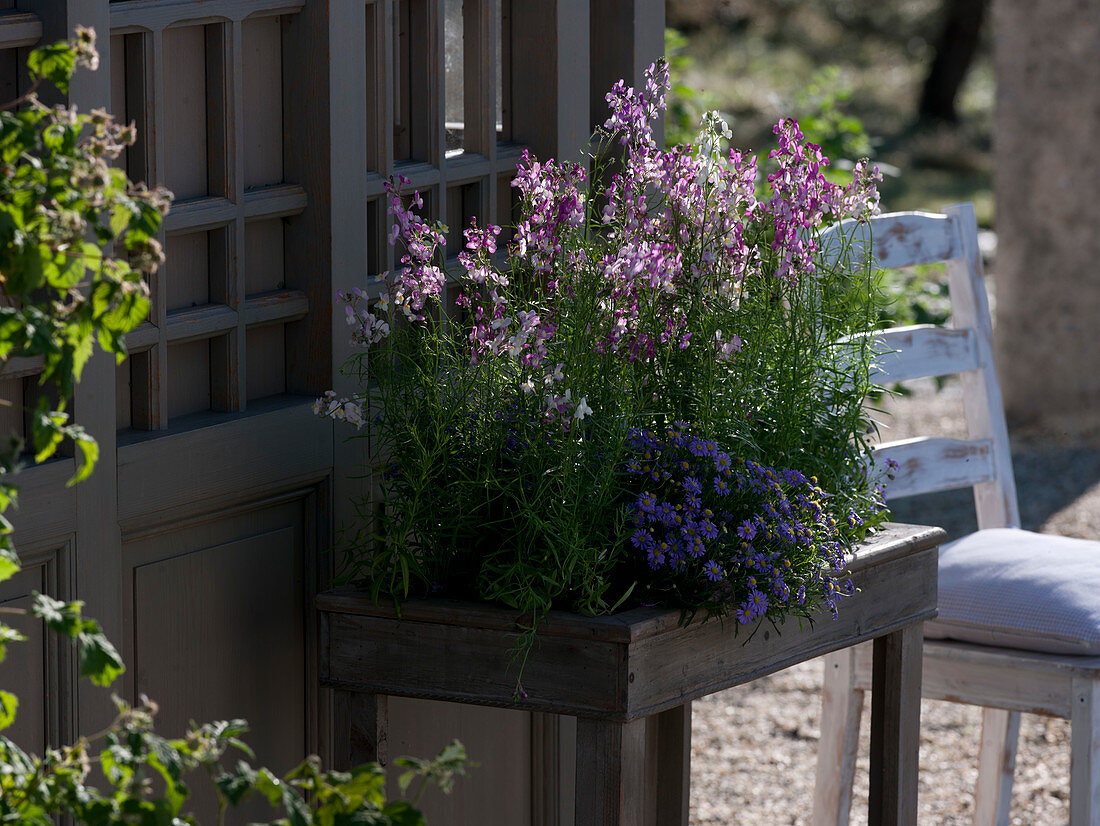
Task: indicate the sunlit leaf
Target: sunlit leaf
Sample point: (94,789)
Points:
(9,563)
(54,63)
(8,705)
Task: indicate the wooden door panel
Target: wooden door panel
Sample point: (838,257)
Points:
(221,461)
(185,107)
(37,670)
(23,671)
(263,102)
(220,625)
(497,740)
(45,512)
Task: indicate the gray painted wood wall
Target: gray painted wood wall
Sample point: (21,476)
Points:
(203,535)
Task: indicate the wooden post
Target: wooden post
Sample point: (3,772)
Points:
(314,123)
(549,85)
(360,729)
(895,727)
(610,773)
(626,37)
(99,543)
(673,765)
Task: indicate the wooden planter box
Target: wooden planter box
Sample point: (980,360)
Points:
(615,672)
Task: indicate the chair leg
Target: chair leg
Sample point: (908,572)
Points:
(1084,770)
(996,765)
(841,706)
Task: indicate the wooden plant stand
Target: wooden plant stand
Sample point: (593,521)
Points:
(617,673)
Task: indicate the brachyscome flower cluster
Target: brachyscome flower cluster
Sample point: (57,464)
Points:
(728,534)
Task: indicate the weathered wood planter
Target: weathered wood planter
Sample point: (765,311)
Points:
(615,673)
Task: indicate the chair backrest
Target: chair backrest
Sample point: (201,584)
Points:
(965,347)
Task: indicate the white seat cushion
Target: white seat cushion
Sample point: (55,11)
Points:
(1019,589)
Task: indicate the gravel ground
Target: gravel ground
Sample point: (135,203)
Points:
(754,747)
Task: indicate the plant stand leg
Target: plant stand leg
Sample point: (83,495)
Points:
(610,773)
(360,729)
(895,727)
(673,765)
(838,748)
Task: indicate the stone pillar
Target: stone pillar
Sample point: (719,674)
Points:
(1047,185)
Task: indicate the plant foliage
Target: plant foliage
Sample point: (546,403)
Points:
(667,297)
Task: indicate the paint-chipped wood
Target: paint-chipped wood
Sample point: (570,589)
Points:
(898,239)
(996,764)
(838,746)
(1010,680)
(922,351)
(931,463)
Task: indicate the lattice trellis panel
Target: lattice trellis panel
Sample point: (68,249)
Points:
(216,336)
(437,113)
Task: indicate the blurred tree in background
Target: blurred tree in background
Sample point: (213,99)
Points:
(917,74)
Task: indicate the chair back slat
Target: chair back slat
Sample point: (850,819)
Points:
(923,351)
(927,464)
(897,239)
(983,461)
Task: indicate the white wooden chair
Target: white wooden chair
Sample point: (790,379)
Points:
(1007,655)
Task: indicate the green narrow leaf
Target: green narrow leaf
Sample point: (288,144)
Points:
(8,704)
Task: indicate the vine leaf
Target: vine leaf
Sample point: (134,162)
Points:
(8,704)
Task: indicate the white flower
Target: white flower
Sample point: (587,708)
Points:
(323,405)
(528,386)
(353,413)
(582,409)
